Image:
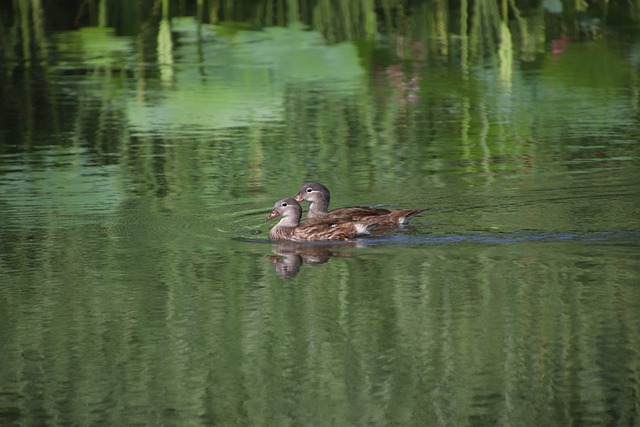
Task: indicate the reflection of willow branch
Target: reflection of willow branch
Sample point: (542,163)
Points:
(505,53)
(27,38)
(291,256)
(349,20)
(165,52)
(485,27)
(465,127)
(464,47)
(483,143)
(30,19)
(141,81)
(102,13)
(530,35)
(165,46)
(24,7)
(38,31)
(200,41)
(442,27)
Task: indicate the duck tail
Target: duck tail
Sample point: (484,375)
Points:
(365,227)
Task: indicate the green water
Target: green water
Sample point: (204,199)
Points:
(139,160)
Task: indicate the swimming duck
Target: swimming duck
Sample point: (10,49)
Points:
(322,229)
(318,195)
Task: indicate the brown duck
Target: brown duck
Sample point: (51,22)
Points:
(318,195)
(322,229)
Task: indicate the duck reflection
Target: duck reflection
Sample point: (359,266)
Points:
(290,257)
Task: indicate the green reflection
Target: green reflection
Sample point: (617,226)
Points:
(185,331)
(140,151)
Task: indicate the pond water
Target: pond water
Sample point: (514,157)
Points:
(139,286)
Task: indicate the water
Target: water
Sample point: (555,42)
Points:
(138,285)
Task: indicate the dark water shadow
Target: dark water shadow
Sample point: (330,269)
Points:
(288,258)
(618,238)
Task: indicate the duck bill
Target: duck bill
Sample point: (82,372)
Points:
(273,214)
(299,198)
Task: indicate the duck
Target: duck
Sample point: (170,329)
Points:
(291,228)
(318,195)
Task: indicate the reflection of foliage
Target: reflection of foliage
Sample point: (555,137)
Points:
(91,47)
(244,74)
(337,20)
(280,88)
(246,111)
(185,330)
(229,81)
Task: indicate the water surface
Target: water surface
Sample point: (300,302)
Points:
(139,287)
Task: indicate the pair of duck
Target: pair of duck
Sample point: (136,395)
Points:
(324,225)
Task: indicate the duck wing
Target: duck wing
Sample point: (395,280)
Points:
(326,229)
(379,216)
(356,213)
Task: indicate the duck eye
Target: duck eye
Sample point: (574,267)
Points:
(309,190)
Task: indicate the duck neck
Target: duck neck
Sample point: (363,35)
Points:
(319,206)
(289,221)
